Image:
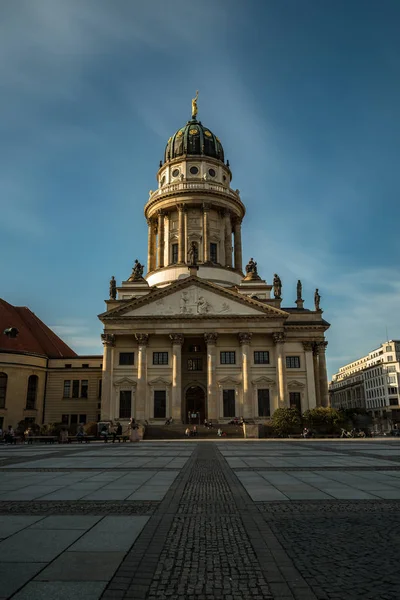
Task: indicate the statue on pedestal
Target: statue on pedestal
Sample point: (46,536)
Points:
(113,288)
(193,254)
(317,300)
(251,267)
(194,105)
(277,283)
(299,289)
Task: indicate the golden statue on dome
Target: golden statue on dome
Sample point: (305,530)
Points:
(194,105)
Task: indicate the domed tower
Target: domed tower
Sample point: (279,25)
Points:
(194,216)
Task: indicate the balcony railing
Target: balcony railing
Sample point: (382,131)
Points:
(200,186)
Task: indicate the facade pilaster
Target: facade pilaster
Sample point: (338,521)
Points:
(311,395)
(323,376)
(228,239)
(176,403)
(141,408)
(279,340)
(107,409)
(181,233)
(316,373)
(206,234)
(246,408)
(160,249)
(212,400)
(238,243)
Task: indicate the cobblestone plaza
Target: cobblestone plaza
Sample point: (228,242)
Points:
(200,519)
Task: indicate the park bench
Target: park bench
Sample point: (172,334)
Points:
(45,439)
(123,438)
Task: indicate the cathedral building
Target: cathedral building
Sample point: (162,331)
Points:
(195,334)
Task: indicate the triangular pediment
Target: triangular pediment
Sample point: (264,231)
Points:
(263,381)
(294,383)
(127,381)
(193,298)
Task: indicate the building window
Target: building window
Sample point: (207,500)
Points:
(228,358)
(68,366)
(82,419)
(160,404)
(295,400)
(388,348)
(85,366)
(32,392)
(390,358)
(228,397)
(261,358)
(75,388)
(160,358)
(84,388)
(174,254)
(213,253)
(3,389)
(264,409)
(195,364)
(293,362)
(74,420)
(126,358)
(100,387)
(125,400)
(64,419)
(67,388)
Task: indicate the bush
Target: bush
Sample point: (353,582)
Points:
(286,421)
(52,428)
(90,428)
(324,420)
(25,424)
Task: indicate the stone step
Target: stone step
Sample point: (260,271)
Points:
(177,431)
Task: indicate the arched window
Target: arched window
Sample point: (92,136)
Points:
(3,389)
(32,392)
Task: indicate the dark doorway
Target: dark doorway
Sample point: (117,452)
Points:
(195,403)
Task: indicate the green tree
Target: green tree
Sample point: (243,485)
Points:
(286,421)
(324,419)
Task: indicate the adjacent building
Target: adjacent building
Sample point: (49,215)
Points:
(372,383)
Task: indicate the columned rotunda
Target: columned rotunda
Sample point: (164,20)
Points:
(195,334)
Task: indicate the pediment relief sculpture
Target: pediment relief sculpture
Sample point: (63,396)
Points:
(296,384)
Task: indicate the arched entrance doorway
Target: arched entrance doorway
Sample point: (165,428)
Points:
(195,403)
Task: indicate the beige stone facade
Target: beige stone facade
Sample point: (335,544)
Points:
(196,335)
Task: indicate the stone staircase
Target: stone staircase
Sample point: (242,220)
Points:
(177,432)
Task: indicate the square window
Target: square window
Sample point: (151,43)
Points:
(84,388)
(85,366)
(74,419)
(195,364)
(228,358)
(68,366)
(125,399)
(67,388)
(293,362)
(126,358)
(75,388)
(174,254)
(264,409)
(261,357)
(160,358)
(160,404)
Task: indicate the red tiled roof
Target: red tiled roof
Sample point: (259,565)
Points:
(34,336)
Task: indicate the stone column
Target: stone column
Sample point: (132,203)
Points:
(323,377)
(185,235)
(238,243)
(153,253)
(206,234)
(247,405)
(311,396)
(149,242)
(316,374)
(177,341)
(181,235)
(160,249)
(279,339)
(167,223)
(107,408)
(212,399)
(228,239)
(141,390)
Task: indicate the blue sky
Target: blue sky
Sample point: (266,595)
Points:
(305,97)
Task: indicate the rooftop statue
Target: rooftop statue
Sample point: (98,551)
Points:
(277,283)
(251,267)
(137,271)
(194,105)
(317,300)
(113,288)
(299,289)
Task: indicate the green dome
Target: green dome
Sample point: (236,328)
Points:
(194,140)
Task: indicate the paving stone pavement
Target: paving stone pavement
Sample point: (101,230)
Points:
(298,520)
